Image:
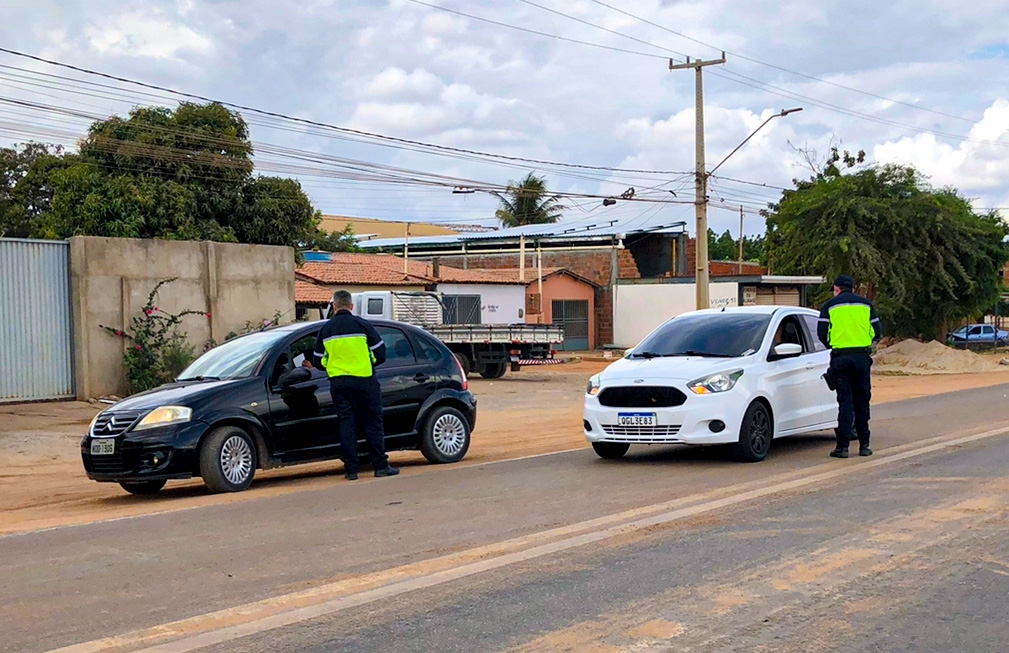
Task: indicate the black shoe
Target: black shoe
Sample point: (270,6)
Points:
(839,453)
(386,471)
(864,451)
(351,476)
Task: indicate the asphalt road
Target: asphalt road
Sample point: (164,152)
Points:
(669,549)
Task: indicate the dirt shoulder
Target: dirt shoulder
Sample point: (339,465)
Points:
(534,412)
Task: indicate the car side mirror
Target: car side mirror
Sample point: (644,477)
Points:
(294,377)
(786,350)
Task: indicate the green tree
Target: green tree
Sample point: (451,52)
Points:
(726,248)
(338,241)
(921,253)
(185,173)
(526,202)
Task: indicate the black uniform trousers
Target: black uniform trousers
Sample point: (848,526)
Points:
(358,403)
(854,392)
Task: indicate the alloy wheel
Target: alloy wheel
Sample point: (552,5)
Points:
(236,459)
(449,434)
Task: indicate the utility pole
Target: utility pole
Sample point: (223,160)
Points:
(701,180)
(740,239)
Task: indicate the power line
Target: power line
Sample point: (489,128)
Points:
(780,68)
(344,130)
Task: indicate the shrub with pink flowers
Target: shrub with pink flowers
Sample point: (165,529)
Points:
(158,351)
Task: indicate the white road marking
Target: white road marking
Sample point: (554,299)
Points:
(274,616)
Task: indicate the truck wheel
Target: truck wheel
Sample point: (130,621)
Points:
(464,363)
(445,437)
(228,460)
(493,370)
(143,487)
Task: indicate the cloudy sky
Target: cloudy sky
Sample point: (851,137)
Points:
(922,81)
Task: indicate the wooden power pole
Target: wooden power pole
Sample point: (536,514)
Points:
(700,180)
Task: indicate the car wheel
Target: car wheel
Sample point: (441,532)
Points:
(445,437)
(493,370)
(143,487)
(755,434)
(610,450)
(464,363)
(228,460)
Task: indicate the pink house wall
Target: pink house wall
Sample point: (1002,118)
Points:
(561,286)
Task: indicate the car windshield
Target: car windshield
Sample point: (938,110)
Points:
(716,335)
(236,359)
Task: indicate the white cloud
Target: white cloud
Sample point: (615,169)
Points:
(135,34)
(979,169)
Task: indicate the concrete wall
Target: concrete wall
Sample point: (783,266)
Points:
(112,277)
(499,304)
(640,308)
(561,286)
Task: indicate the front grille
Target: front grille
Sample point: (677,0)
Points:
(641,397)
(665,433)
(114,464)
(114,423)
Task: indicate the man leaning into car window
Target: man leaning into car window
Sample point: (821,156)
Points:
(849,325)
(349,349)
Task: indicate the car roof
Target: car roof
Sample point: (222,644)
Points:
(757,310)
(296,327)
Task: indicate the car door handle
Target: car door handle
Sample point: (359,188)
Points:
(810,366)
(421,377)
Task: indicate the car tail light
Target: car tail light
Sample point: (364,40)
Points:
(462,373)
(515,352)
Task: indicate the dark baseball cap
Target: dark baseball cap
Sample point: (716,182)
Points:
(844,281)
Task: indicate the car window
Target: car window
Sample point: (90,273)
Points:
(812,322)
(375,305)
(427,350)
(975,331)
(235,359)
(302,351)
(398,350)
(987,330)
(706,334)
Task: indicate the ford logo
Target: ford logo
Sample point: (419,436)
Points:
(639,380)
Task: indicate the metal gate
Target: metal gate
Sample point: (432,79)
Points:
(36,334)
(573,315)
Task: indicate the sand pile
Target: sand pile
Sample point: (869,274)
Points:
(913,357)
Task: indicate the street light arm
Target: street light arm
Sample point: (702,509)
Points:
(782,114)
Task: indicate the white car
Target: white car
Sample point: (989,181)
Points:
(738,375)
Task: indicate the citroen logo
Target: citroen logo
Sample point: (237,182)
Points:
(111,425)
(639,380)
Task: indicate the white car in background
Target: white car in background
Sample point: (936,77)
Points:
(740,376)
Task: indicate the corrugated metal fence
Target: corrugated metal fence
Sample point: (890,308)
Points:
(36,334)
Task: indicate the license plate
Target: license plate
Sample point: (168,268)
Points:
(103,447)
(636,419)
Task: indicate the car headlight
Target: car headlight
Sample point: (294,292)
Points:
(164,416)
(721,382)
(593,386)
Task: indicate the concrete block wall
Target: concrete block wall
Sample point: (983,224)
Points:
(111,279)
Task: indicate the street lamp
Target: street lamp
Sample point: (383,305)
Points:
(701,244)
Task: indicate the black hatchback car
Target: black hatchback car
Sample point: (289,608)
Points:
(256,402)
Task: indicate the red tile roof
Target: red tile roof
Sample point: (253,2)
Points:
(385,270)
(309,293)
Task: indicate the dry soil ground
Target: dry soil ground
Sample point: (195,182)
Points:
(536,411)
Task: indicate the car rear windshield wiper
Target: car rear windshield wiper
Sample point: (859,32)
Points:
(201,378)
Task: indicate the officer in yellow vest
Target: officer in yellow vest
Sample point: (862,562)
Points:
(849,325)
(349,349)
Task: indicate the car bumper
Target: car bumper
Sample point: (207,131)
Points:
(146,456)
(691,423)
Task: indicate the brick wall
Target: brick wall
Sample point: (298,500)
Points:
(719,268)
